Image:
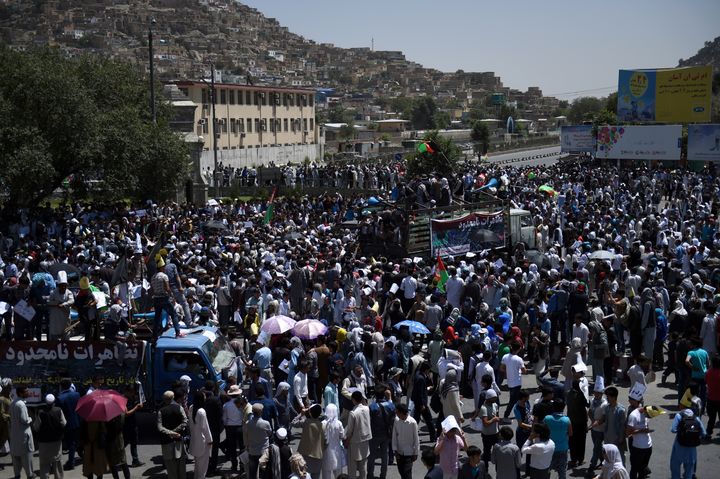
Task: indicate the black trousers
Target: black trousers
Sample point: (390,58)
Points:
(233,434)
(405,465)
(639,460)
(427,417)
(488,440)
(577,443)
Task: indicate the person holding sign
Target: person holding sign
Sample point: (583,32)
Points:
(59,303)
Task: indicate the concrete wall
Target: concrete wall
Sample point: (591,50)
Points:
(261,156)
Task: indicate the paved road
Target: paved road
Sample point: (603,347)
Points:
(709,454)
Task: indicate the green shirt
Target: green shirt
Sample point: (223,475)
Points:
(503,350)
(699,361)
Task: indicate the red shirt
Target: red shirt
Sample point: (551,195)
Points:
(712,379)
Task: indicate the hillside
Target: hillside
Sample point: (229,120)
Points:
(244,45)
(709,54)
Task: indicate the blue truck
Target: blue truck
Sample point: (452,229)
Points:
(202,353)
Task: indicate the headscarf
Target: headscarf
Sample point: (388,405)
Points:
(283,386)
(449,335)
(450,383)
(331,413)
(612,467)
(341,335)
(298,466)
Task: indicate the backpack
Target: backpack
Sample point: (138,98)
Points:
(689,432)
(380,421)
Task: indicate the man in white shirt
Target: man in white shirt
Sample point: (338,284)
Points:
(300,387)
(405,441)
(232,420)
(514,367)
(580,330)
(454,288)
(408,286)
(638,430)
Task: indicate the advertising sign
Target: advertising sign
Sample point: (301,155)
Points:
(469,233)
(663,96)
(704,142)
(648,142)
(577,139)
(43,365)
(498,99)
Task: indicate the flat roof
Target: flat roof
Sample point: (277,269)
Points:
(393,121)
(188,83)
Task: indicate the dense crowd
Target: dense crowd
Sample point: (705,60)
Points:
(355,397)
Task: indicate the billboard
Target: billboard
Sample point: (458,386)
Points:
(469,233)
(498,99)
(647,142)
(663,96)
(577,139)
(703,142)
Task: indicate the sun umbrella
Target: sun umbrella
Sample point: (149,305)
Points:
(602,255)
(415,327)
(278,324)
(309,329)
(101,405)
(548,189)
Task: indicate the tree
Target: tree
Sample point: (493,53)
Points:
(604,117)
(444,158)
(347,131)
(611,102)
(477,110)
(402,105)
(423,113)
(82,118)
(338,114)
(441,120)
(480,134)
(583,109)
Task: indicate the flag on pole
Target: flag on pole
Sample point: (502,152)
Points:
(425,147)
(269,211)
(441,274)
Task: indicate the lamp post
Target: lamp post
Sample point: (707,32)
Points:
(152,71)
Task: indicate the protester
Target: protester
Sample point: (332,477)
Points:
(505,455)
(172,424)
(22,445)
(689,430)
(49,427)
(541,449)
(201,438)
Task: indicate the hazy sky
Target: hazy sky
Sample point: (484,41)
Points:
(562,46)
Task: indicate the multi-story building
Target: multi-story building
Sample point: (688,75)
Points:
(276,124)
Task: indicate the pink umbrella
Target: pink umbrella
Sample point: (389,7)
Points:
(277,324)
(309,329)
(101,405)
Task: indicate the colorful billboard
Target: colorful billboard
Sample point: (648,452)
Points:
(470,233)
(704,142)
(577,139)
(647,142)
(663,96)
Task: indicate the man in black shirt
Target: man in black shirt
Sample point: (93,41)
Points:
(420,398)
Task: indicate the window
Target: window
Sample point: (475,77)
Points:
(312,99)
(291,99)
(312,124)
(241,124)
(205,97)
(272,126)
(223,97)
(223,125)
(298,99)
(232,96)
(248,98)
(257,125)
(284,99)
(304,124)
(241,98)
(233,125)
(278,126)
(249,125)
(263,97)
(264,124)
(285,124)
(205,128)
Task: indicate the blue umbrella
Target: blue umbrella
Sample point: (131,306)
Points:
(415,327)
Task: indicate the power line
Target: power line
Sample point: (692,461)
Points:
(581,91)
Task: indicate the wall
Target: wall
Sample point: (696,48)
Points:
(261,156)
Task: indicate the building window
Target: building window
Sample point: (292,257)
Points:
(249,125)
(312,124)
(241,125)
(263,97)
(291,99)
(312,99)
(278,126)
(233,125)
(223,125)
(223,97)
(241,97)
(285,124)
(264,124)
(272,126)
(298,99)
(304,124)
(205,96)
(205,128)
(232,96)
(257,125)
(248,98)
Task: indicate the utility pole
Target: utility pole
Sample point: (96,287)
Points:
(215,133)
(152,71)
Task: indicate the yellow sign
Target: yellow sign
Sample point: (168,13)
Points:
(674,95)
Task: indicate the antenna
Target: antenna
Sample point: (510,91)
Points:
(372,44)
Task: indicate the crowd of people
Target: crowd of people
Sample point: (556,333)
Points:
(365,395)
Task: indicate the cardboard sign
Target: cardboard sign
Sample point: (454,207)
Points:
(24,310)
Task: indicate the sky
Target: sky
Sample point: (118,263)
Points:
(568,48)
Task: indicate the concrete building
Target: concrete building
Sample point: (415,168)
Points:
(255,124)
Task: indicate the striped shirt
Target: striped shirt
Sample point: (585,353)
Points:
(158,283)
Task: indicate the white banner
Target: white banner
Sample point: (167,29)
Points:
(652,142)
(577,139)
(704,142)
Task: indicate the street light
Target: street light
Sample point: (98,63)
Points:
(152,71)
(214,127)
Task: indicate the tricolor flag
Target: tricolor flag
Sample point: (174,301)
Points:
(441,274)
(425,147)
(270,208)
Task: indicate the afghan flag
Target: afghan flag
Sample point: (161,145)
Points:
(441,274)
(270,208)
(425,147)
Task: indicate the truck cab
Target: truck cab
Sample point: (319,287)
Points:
(521,228)
(202,354)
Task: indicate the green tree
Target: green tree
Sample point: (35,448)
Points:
(507,111)
(82,118)
(480,134)
(423,113)
(584,108)
(441,120)
(611,102)
(478,110)
(603,117)
(443,160)
(402,105)
(347,131)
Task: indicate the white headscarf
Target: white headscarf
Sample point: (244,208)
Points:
(612,466)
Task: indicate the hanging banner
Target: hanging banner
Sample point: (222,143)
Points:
(577,139)
(667,95)
(468,234)
(651,142)
(704,142)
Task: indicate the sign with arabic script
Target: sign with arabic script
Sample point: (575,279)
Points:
(467,234)
(44,364)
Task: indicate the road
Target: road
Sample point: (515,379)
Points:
(708,454)
(535,157)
